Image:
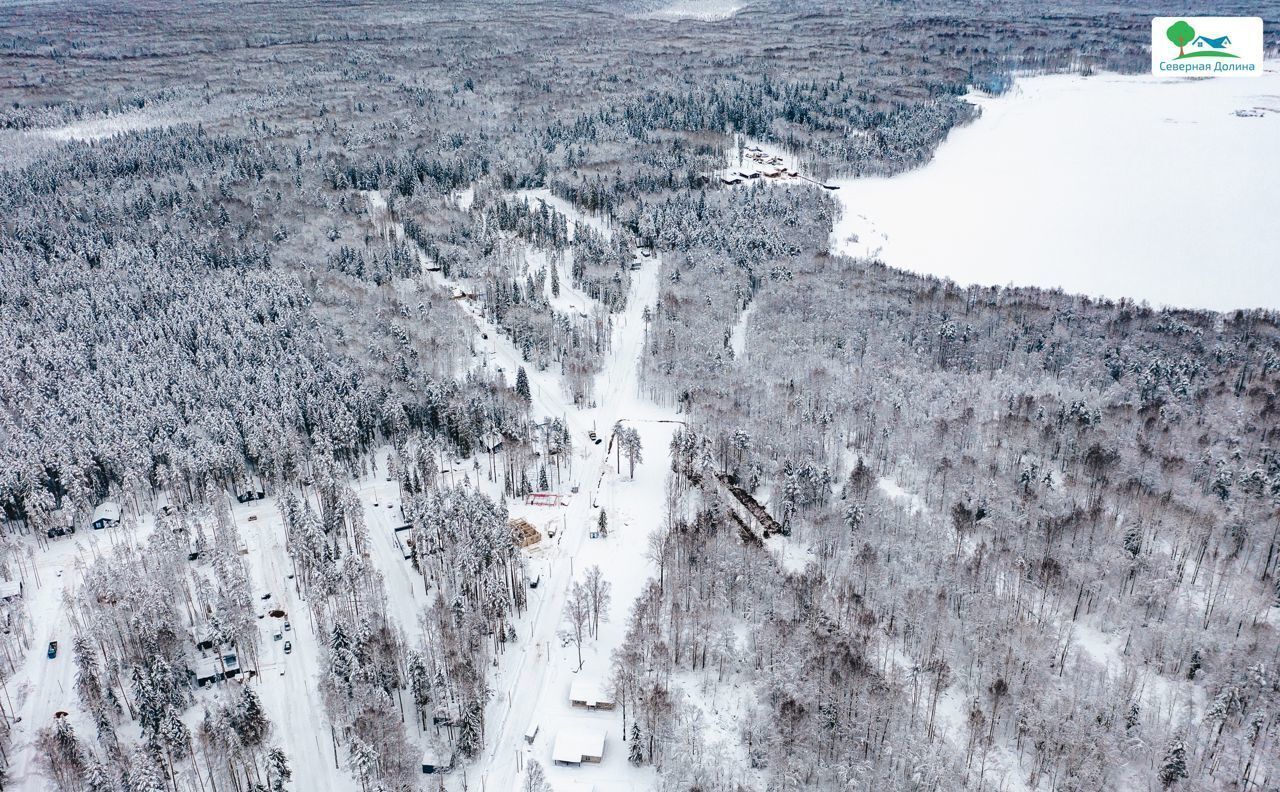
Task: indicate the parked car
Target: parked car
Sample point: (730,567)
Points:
(535,581)
(286,626)
(53,649)
(278,636)
(288,647)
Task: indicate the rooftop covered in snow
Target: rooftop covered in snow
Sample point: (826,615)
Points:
(575,746)
(589,693)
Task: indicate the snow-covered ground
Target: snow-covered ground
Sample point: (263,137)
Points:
(42,686)
(287,683)
(909,501)
(1120,186)
(105,126)
(704,10)
(738,338)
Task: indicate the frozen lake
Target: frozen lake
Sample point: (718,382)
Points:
(1120,186)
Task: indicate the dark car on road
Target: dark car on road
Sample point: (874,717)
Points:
(53,649)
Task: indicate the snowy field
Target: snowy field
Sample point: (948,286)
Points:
(105,126)
(1119,186)
(705,10)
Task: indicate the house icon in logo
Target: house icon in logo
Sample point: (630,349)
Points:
(1221,42)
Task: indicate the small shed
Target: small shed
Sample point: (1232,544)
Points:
(491,442)
(436,760)
(10,589)
(106,515)
(250,489)
(575,746)
(61,522)
(523,533)
(590,694)
(404,539)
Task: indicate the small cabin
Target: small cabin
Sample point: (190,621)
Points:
(250,489)
(404,539)
(577,746)
(590,694)
(10,590)
(436,760)
(491,442)
(106,515)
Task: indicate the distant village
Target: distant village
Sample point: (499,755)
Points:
(765,165)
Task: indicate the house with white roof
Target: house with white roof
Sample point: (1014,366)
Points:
(10,589)
(575,746)
(106,515)
(589,693)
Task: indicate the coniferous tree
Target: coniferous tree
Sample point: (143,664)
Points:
(1173,767)
(522,385)
(636,755)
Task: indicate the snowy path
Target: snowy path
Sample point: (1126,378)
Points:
(287,683)
(538,688)
(532,680)
(42,686)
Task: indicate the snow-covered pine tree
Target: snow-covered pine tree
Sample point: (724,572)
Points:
(1173,767)
(636,756)
(278,771)
(522,385)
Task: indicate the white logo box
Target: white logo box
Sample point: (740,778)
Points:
(1219,47)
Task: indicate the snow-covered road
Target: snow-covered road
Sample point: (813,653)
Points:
(42,686)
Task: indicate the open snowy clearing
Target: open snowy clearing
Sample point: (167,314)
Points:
(104,126)
(1118,186)
(703,10)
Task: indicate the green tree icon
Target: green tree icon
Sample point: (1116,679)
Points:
(1181,34)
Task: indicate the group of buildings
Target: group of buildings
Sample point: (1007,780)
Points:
(580,744)
(769,166)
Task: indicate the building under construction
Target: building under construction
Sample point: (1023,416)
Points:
(523,533)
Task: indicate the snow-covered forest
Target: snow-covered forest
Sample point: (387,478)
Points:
(469,395)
